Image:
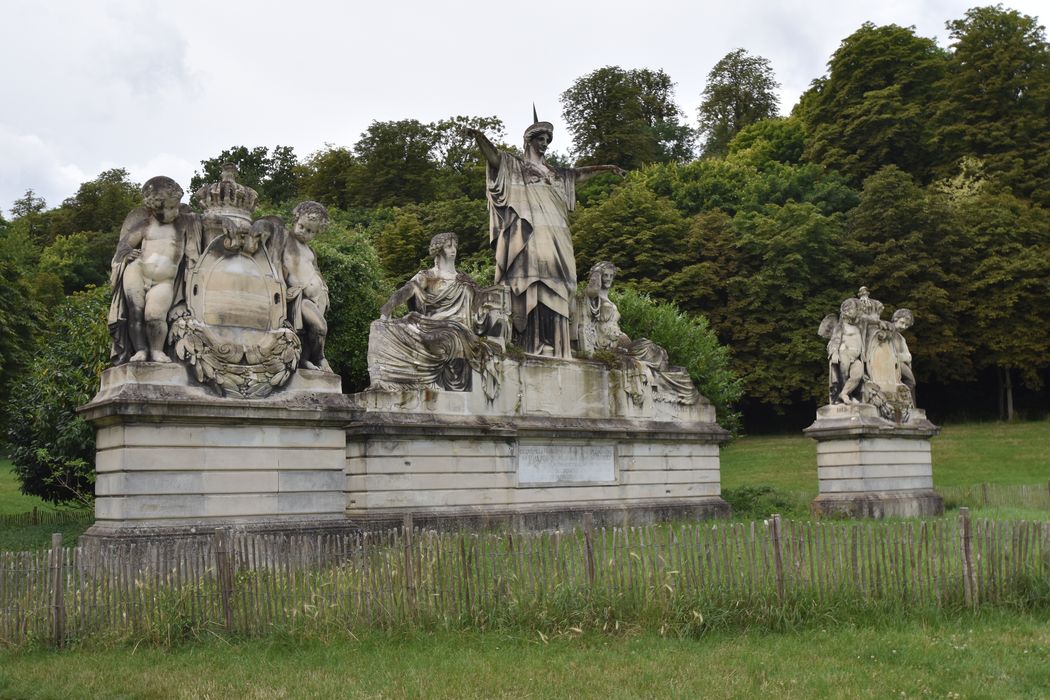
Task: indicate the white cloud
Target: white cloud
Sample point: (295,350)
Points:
(157,86)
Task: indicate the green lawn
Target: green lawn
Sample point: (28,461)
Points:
(993,654)
(11,499)
(972,453)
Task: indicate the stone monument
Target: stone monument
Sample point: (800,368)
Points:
(523,400)
(873,443)
(220,409)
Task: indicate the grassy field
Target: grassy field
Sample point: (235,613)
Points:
(990,654)
(11,499)
(972,453)
(13,502)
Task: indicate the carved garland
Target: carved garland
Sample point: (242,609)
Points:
(238,370)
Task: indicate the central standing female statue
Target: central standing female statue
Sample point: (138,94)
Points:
(529,205)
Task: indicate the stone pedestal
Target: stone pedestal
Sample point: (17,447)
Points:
(868,466)
(561,438)
(175,460)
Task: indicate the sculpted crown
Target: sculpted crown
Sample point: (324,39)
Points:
(227,196)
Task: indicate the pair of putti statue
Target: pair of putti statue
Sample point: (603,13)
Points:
(241,300)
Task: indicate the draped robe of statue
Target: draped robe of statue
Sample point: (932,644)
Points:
(434,344)
(529,205)
(645,361)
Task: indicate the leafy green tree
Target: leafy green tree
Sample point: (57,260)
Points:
(350,267)
(996,104)
(639,231)
(689,342)
(28,204)
(29,215)
(328,176)
(52,448)
(461,165)
(741,90)
(873,106)
(625,117)
(100,204)
(790,274)
(780,139)
(1007,267)
(80,259)
(403,242)
(397,164)
(275,176)
(904,247)
(19,317)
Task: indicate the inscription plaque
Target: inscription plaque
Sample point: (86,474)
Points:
(560,464)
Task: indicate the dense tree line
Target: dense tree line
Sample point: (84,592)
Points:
(920,171)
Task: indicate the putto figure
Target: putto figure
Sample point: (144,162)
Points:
(307,293)
(156,241)
(868,358)
(529,205)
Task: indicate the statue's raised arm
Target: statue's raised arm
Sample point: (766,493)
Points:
(488,149)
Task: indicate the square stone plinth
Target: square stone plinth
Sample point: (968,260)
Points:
(868,466)
(172,459)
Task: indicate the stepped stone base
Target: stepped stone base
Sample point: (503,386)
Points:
(561,438)
(174,460)
(870,467)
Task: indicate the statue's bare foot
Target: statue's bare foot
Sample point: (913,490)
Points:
(158,357)
(325,366)
(140,356)
(306,364)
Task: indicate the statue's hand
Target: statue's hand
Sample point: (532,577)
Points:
(619,171)
(471,132)
(134,254)
(384,317)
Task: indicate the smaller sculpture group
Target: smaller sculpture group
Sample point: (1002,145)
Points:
(868,358)
(241,301)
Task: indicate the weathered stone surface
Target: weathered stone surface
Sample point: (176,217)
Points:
(454,330)
(868,358)
(646,370)
(868,466)
(236,300)
(172,458)
(529,205)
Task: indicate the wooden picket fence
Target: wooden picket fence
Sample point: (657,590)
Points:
(250,584)
(998,495)
(46,517)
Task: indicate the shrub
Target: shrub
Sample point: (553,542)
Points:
(689,342)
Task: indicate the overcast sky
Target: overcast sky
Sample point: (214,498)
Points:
(155,87)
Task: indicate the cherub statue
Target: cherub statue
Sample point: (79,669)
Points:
(307,293)
(845,350)
(156,241)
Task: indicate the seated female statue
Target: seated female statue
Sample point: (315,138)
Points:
(435,345)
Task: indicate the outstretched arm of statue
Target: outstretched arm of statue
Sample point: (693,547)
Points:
(586,172)
(488,150)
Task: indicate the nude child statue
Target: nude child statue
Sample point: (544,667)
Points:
(307,292)
(147,271)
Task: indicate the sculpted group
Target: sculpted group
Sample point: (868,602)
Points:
(243,303)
